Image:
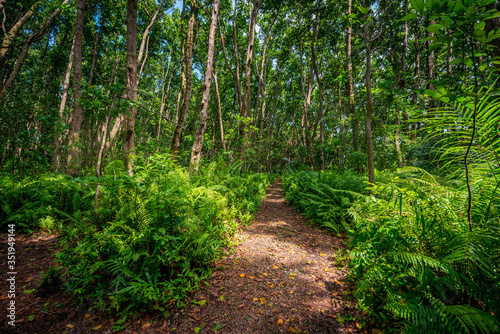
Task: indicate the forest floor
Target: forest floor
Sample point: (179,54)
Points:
(282,277)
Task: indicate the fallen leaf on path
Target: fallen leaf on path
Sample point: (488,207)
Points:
(242,275)
(262,301)
(97,327)
(69,326)
(255,299)
(336,281)
(275,266)
(280,321)
(321,254)
(291,329)
(326,269)
(86,316)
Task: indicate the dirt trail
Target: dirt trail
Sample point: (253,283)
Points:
(281,278)
(290,283)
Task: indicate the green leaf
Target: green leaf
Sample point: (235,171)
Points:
(408,17)
(218,327)
(418,5)
(479,25)
(363,9)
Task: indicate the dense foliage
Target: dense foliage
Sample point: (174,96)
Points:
(383,114)
(153,237)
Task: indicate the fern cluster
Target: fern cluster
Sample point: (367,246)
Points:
(324,197)
(152,237)
(414,258)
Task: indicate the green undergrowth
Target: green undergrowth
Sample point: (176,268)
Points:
(150,239)
(324,197)
(416,264)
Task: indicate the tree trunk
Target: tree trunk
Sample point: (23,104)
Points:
(131,84)
(245,110)
(77,118)
(164,96)
(24,53)
(219,111)
(320,116)
(187,69)
(200,132)
(56,158)
(406,123)
(9,37)
(398,146)
(237,63)
(94,58)
(369,112)
(350,83)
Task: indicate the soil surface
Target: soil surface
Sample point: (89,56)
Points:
(282,277)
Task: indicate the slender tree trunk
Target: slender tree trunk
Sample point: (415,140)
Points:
(202,125)
(187,69)
(320,116)
(77,118)
(416,82)
(245,110)
(24,53)
(350,83)
(398,146)
(94,58)
(219,111)
(9,37)
(131,84)
(369,112)
(237,63)
(164,96)
(406,118)
(56,158)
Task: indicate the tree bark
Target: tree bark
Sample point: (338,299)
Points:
(320,115)
(9,37)
(219,111)
(77,118)
(56,158)
(202,125)
(94,58)
(164,96)
(406,118)
(369,112)
(350,84)
(24,53)
(187,69)
(237,63)
(245,110)
(131,84)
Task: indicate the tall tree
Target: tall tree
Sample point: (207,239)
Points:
(245,108)
(188,87)
(77,117)
(131,87)
(202,125)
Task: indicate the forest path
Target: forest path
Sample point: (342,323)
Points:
(280,278)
